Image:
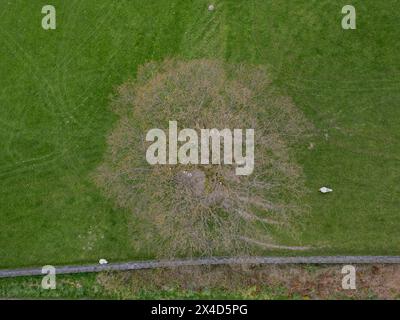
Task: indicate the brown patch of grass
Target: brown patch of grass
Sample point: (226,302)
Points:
(215,213)
(288,281)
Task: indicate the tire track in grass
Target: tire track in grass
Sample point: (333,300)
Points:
(302,83)
(93,34)
(206,35)
(52,101)
(42,82)
(20,54)
(24,165)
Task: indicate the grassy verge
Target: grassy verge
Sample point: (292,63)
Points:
(223,282)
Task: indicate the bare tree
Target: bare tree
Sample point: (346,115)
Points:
(211,210)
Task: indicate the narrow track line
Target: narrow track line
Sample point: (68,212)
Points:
(154,264)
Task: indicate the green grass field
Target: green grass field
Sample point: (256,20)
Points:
(54,114)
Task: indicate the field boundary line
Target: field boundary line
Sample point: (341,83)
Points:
(154,264)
